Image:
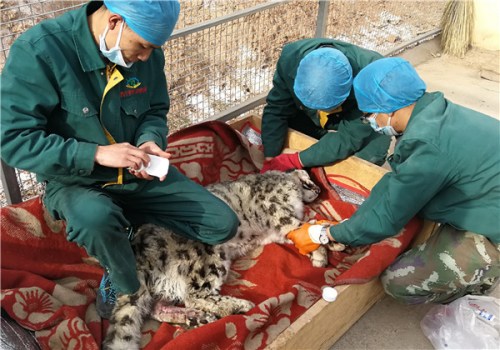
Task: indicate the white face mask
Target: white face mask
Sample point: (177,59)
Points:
(386,130)
(115,53)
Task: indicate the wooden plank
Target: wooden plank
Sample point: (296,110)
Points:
(239,122)
(427,230)
(324,323)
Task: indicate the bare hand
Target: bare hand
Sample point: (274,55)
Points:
(151,148)
(121,155)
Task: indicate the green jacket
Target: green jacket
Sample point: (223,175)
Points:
(52,86)
(446,167)
(283,107)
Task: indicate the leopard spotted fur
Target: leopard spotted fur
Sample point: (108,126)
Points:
(181,271)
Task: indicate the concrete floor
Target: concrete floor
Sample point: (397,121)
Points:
(389,324)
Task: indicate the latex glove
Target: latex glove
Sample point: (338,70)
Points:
(325,222)
(308,237)
(283,162)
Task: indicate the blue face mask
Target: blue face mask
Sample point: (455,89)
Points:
(385,130)
(115,53)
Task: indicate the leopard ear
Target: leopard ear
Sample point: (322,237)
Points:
(296,173)
(301,173)
(302,176)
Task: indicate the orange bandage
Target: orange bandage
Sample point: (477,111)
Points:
(308,237)
(301,239)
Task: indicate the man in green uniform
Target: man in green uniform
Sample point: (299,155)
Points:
(312,93)
(446,168)
(83,99)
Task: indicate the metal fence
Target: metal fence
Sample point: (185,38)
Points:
(222,55)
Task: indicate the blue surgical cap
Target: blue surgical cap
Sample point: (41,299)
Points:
(386,85)
(324,79)
(154,21)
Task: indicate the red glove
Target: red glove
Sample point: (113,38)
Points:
(283,162)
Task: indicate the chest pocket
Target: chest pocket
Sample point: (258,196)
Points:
(135,106)
(78,105)
(78,118)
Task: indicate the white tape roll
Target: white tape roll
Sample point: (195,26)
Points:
(158,166)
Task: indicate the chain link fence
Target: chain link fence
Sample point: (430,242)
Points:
(223,53)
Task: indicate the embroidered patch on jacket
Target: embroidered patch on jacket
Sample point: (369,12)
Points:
(133,84)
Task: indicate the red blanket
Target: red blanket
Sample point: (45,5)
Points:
(48,284)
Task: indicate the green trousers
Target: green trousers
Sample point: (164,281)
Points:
(451,264)
(97,218)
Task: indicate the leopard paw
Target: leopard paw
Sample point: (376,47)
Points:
(231,306)
(319,257)
(200,319)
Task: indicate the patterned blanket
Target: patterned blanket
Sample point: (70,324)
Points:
(48,284)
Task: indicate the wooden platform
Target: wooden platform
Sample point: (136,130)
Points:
(324,323)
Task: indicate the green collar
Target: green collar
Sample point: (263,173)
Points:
(422,103)
(88,52)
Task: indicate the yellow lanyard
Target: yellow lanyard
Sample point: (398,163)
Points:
(323,116)
(114,77)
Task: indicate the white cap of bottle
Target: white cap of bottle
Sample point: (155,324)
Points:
(330,294)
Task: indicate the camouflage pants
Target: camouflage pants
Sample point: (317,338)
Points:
(451,264)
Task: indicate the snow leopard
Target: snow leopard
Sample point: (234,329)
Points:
(180,271)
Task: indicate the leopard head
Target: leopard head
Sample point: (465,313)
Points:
(310,191)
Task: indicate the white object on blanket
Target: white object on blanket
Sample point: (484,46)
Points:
(158,166)
(330,294)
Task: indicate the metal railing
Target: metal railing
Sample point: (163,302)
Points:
(222,55)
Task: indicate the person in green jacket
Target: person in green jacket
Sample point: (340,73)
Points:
(312,93)
(445,168)
(84,102)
